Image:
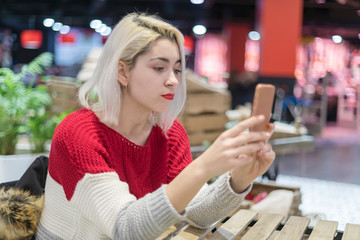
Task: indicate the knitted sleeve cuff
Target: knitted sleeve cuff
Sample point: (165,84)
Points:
(147,218)
(162,211)
(214,202)
(243,193)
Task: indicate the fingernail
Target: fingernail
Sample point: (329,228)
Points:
(268,134)
(261,117)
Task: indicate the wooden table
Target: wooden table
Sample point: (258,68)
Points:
(245,225)
(290,145)
(281,146)
(287,145)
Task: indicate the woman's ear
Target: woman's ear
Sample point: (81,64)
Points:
(122,75)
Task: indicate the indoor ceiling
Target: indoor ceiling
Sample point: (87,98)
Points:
(329,17)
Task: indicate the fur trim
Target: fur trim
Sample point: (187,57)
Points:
(19,213)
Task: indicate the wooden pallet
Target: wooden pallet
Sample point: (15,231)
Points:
(63,95)
(242,225)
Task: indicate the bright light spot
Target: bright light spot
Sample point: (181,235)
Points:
(337,39)
(197,1)
(358,12)
(101,28)
(254,35)
(95,23)
(359,35)
(199,29)
(48,22)
(65,29)
(106,32)
(57,26)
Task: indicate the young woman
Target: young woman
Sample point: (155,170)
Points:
(121,167)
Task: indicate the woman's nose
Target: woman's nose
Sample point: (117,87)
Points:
(172,80)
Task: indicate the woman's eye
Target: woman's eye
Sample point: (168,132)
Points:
(177,71)
(159,69)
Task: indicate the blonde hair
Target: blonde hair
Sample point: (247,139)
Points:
(131,38)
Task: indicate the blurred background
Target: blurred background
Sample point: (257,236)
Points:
(309,49)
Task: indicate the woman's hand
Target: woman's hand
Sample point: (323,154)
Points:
(243,176)
(236,149)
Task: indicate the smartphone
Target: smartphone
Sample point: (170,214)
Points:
(262,104)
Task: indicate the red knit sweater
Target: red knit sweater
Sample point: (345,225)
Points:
(82,144)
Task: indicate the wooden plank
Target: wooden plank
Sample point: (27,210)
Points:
(197,138)
(294,228)
(324,230)
(274,235)
(293,144)
(206,103)
(173,230)
(352,232)
(204,122)
(264,227)
(193,233)
(232,227)
(196,84)
(67,92)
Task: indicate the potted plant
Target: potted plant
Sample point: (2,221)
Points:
(17,99)
(41,126)
(20,103)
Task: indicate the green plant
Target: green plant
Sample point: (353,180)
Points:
(17,101)
(41,126)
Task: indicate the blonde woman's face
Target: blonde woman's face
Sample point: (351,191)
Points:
(154,79)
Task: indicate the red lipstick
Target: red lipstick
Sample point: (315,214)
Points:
(169,96)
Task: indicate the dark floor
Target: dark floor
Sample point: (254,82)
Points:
(336,157)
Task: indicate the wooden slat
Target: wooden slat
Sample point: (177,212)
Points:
(294,228)
(197,138)
(352,232)
(206,103)
(173,230)
(274,235)
(231,228)
(264,227)
(324,230)
(192,233)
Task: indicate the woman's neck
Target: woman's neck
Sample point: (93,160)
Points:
(134,127)
(133,124)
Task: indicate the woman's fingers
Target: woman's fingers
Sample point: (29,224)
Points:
(271,127)
(243,125)
(248,137)
(266,151)
(245,138)
(248,149)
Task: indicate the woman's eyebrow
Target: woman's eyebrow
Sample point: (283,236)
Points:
(164,59)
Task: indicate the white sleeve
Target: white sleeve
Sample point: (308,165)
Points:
(214,202)
(106,202)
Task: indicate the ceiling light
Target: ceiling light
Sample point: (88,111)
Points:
(101,28)
(95,23)
(199,29)
(65,29)
(48,22)
(57,26)
(106,32)
(337,39)
(197,1)
(254,35)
